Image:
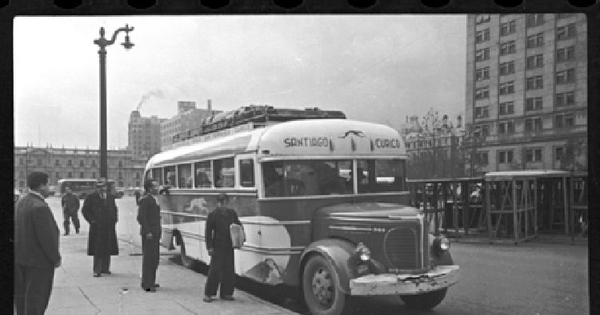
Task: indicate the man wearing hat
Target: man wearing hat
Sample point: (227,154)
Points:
(220,248)
(100,211)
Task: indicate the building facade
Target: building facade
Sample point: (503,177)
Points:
(76,163)
(526,93)
(188,117)
(143,135)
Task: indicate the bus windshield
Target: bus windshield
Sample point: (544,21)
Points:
(331,177)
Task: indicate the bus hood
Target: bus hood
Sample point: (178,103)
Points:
(367,210)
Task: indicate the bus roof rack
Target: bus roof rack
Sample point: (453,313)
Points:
(258,115)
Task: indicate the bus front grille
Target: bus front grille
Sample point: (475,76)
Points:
(401,247)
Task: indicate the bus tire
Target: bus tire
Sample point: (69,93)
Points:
(320,288)
(186,260)
(424,301)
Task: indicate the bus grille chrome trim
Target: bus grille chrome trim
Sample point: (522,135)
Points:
(401,247)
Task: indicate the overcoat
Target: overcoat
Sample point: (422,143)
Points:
(102,215)
(36,233)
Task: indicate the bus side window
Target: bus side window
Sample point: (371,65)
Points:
(157,174)
(170,176)
(246,173)
(203,174)
(185,175)
(224,174)
(273,179)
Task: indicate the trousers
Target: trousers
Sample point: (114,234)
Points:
(150,258)
(221,271)
(33,287)
(101,263)
(70,216)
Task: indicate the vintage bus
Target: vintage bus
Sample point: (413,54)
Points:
(81,187)
(324,207)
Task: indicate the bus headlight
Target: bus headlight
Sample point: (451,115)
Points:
(441,244)
(362,253)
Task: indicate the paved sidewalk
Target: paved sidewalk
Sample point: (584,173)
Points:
(76,291)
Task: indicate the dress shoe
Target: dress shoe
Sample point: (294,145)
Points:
(208,298)
(66,234)
(227,298)
(96,275)
(151,289)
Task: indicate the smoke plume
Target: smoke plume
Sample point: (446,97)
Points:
(152,93)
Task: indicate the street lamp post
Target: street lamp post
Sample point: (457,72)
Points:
(102,42)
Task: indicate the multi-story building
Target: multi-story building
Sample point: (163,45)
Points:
(434,148)
(144,135)
(188,117)
(76,163)
(526,94)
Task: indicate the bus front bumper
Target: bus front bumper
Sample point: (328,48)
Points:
(437,278)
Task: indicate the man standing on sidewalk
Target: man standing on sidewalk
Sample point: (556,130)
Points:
(100,211)
(70,205)
(220,248)
(36,248)
(150,230)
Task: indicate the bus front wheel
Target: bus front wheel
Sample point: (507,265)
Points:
(186,260)
(320,288)
(424,301)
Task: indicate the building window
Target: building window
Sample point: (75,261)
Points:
(507,88)
(81,163)
(57,175)
(39,162)
(482,158)
(69,163)
(535,83)
(507,68)
(93,174)
(505,157)
(507,108)
(565,54)
(508,28)
(69,175)
(564,15)
(482,18)
(482,54)
(482,93)
(533,155)
(137,175)
(506,127)
(565,99)
(56,163)
(120,163)
(558,153)
(482,36)
(536,40)
(507,48)
(482,74)
(81,175)
(534,20)
(565,32)
(481,131)
(536,61)
(534,103)
(564,121)
(567,76)
(481,112)
(533,124)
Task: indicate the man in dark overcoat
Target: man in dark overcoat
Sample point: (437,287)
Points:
(36,248)
(220,248)
(100,211)
(70,205)
(150,229)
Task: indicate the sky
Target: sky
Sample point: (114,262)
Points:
(378,68)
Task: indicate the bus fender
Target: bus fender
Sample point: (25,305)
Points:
(339,253)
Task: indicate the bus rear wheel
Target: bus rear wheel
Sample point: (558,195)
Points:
(186,260)
(320,288)
(424,301)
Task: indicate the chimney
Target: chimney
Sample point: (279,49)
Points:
(458,121)
(209,105)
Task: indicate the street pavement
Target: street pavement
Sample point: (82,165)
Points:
(76,291)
